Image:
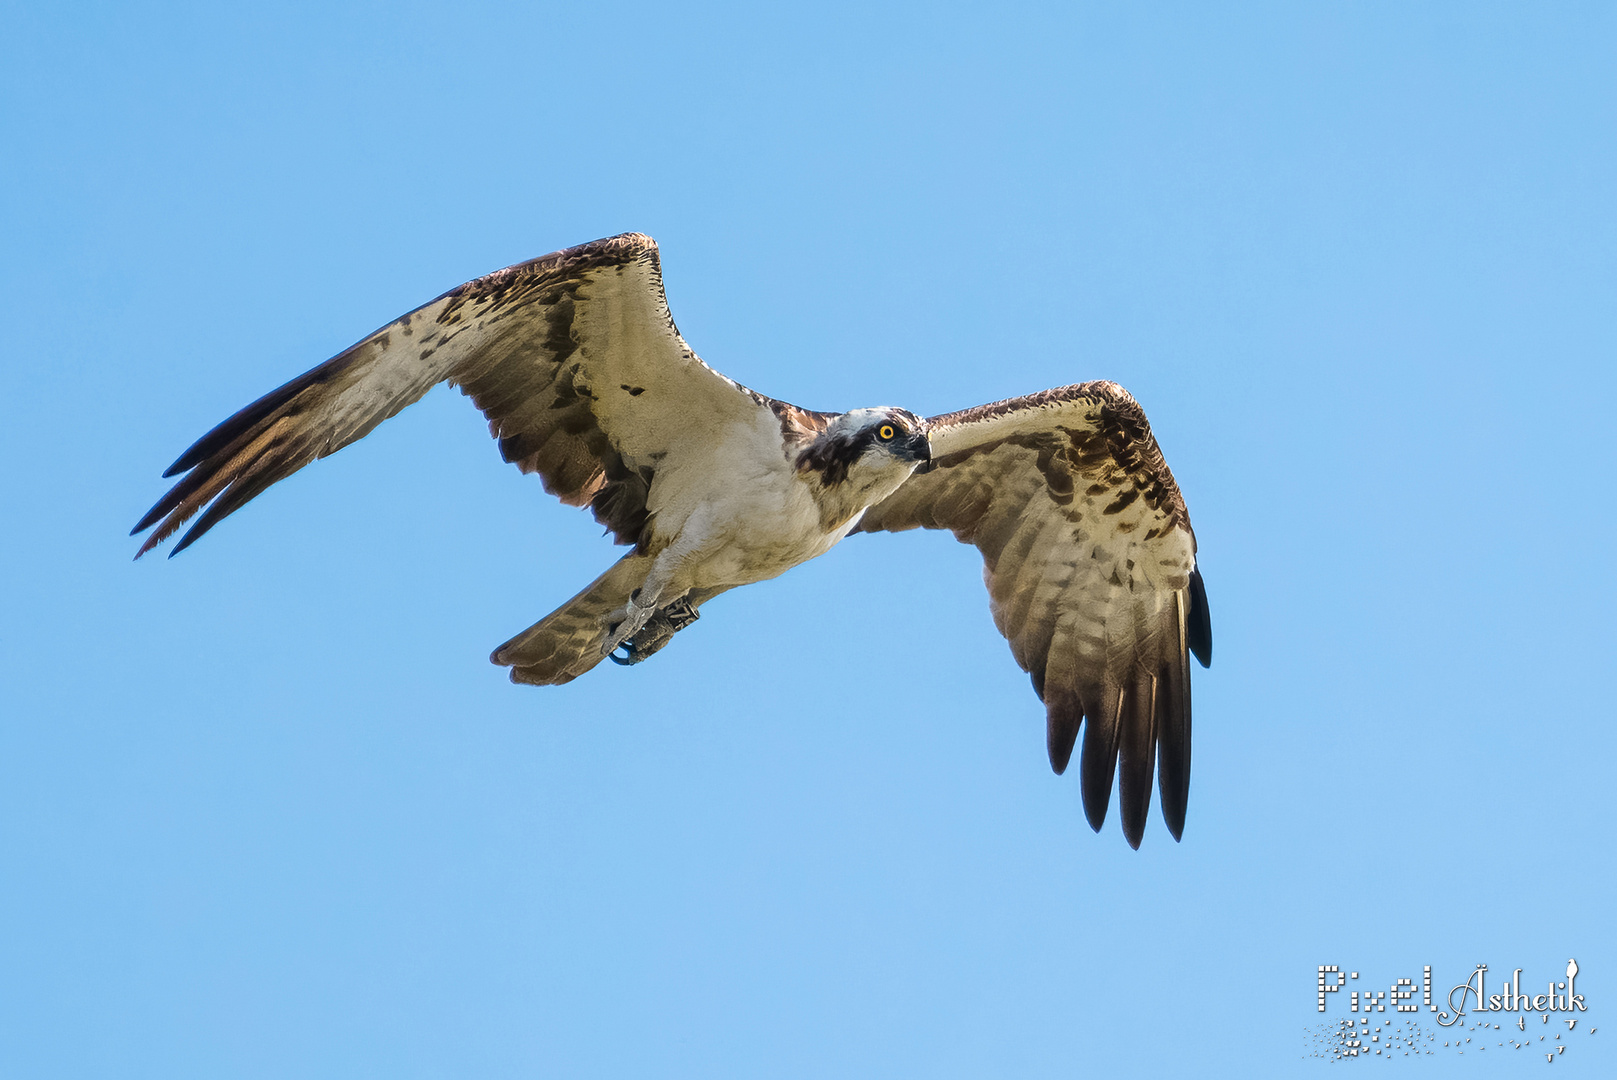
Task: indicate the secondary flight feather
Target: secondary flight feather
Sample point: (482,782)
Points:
(576,363)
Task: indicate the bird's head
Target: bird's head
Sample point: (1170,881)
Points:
(868,447)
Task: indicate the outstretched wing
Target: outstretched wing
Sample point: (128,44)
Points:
(573,358)
(1091,571)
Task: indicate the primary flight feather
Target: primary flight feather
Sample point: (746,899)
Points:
(574,359)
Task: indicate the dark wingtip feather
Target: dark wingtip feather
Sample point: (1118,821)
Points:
(186,541)
(1097,766)
(1061,732)
(1173,811)
(245,418)
(1199,624)
(1173,754)
(1173,814)
(217,437)
(153,516)
(1137,739)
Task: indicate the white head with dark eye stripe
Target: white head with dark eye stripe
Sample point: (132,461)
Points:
(868,448)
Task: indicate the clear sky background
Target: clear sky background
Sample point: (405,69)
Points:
(266,810)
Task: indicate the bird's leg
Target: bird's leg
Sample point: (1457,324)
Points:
(670,576)
(644,601)
(680,613)
(627,623)
(658,631)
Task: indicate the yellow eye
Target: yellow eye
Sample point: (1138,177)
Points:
(886,432)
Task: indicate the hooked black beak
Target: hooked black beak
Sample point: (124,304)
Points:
(922,448)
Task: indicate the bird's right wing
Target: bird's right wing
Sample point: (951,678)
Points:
(572,357)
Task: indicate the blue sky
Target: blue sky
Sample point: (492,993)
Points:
(266,810)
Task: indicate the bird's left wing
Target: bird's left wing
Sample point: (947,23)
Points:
(1091,571)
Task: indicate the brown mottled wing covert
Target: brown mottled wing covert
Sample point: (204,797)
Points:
(573,358)
(1091,572)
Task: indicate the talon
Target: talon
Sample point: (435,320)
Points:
(646,633)
(634,618)
(615,637)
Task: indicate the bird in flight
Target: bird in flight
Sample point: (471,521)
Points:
(575,361)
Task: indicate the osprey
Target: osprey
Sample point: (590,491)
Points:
(574,359)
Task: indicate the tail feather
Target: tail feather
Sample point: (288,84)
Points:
(567,642)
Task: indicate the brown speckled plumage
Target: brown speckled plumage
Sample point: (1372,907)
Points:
(1067,496)
(580,371)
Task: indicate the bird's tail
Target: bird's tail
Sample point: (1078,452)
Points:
(567,642)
